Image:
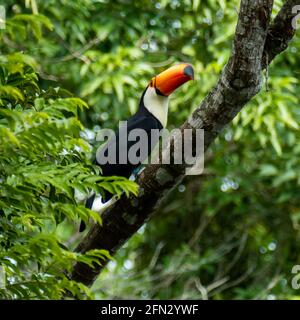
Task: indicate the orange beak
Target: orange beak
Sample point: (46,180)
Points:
(169,80)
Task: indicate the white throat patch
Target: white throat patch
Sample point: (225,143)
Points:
(157,105)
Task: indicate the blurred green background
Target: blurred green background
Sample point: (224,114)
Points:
(232,233)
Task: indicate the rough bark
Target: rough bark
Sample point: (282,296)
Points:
(239,82)
(280,32)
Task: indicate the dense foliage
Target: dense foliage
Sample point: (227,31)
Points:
(231,233)
(44,165)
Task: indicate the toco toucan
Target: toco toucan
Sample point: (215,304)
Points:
(152,114)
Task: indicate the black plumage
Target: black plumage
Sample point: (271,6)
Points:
(142,119)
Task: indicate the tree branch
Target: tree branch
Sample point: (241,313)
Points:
(240,81)
(280,32)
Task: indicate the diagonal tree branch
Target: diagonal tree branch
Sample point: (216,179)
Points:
(240,81)
(280,32)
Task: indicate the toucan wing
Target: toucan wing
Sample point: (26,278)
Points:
(121,146)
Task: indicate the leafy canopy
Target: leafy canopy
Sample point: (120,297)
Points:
(44,163)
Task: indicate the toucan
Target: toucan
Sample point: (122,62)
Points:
(151,114)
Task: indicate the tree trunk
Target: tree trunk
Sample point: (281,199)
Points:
(255,45)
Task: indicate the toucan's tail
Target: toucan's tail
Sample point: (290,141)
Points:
(88,204)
